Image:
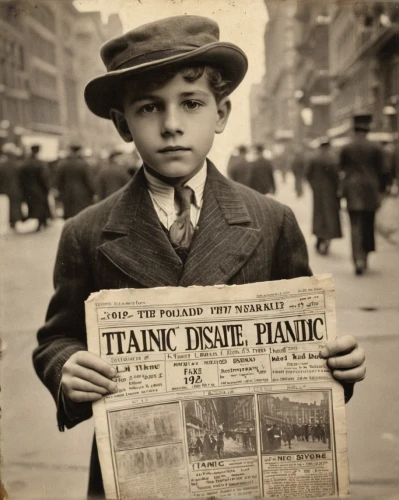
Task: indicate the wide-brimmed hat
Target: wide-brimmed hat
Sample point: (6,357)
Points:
(171,41)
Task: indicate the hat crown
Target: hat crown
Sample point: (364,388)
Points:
(177,34)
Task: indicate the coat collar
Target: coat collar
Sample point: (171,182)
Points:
(223,241)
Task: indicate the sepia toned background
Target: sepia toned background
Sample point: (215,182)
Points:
(312,66)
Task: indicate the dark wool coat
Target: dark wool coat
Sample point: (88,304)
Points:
(237,169)
(322,174)
(10,186)
(242,237)
(35,182)
(75,185)
(261,176)
(363,164)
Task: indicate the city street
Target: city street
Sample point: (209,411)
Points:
(303,446)
(41,463)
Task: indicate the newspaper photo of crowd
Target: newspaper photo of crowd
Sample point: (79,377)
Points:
(297,421)
(220,428)
(147,426)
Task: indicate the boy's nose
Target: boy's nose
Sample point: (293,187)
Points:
(172,123)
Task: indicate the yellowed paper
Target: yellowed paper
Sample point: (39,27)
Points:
(222,392)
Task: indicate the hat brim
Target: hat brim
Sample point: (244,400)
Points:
(101,93)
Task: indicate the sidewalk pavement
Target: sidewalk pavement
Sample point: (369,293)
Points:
(38,461)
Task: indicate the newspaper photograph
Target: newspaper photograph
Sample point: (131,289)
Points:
(222,392)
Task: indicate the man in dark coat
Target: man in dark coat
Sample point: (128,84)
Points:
(237,168)
(322,174)
(9,182)
(35,182)
(74,183)
(362,163)
(112,176)
(261,173)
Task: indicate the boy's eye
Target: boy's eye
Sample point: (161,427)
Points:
(192,105)
(148,108)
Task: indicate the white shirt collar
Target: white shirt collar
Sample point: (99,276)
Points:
(164,194)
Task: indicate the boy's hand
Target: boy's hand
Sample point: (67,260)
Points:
(345,359)
(86,378)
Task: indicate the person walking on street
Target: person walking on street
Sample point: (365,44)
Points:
(74,183)
(112,176)
(322,174)
(237,168)
(9,181)
(35,182)
(261,173)
(362,165)
(298,167)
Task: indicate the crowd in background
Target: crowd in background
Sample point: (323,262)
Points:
(41,190)
(359,176)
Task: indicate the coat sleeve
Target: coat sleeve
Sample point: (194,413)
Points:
(64,332)
(290,258)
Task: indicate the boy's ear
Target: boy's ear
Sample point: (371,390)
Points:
(224,108)
(121,124)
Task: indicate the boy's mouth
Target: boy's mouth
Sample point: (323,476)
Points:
(173,149)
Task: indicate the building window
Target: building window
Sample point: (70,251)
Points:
(9,13)
(45,111)
(42,14)
(68,62)
(42,48)
(44,81)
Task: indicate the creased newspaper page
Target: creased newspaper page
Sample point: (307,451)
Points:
(221,392)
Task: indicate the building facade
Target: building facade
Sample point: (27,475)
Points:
(289,411)
(312,71)
(364,57)
(325,62)
(278,104)
(43,69)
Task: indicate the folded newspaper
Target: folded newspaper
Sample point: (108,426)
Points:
(222,392)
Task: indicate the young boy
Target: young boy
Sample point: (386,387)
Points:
(179,222)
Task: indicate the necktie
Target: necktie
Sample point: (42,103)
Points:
(182,230)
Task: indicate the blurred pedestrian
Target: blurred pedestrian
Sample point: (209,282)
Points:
(388,149)
(362,163)
(237,168)
(74,182)
(395,167)
(322,174)
(113,175)
(220,444)
(298,167)
(261,177)
(35,182)
(9,181)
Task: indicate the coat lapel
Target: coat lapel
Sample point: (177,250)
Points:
(137,243)
(225,237)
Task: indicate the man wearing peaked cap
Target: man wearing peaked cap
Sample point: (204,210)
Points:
(362,164)
(178,222)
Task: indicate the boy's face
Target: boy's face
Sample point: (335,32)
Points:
(173,127)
